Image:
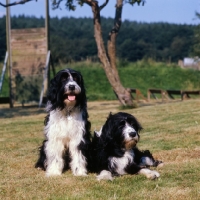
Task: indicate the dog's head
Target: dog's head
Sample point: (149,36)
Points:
(122,129)
(66,90)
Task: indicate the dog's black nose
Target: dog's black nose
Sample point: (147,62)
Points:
(72,87)
(133,134)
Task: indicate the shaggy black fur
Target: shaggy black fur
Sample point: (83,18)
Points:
(109,143)
(56,97)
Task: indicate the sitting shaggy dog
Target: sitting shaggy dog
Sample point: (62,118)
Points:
(115,152)
(67,129)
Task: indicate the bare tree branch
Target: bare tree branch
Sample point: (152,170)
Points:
(108,61)
(111,43)
(103,5)
(15,3)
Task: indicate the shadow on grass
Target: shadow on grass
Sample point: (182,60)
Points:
(17,111)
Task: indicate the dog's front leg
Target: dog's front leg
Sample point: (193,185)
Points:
(136,169)
(78,161)
(54,152)
(151,174)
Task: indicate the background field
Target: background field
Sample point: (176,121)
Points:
(141,75)
(171,132)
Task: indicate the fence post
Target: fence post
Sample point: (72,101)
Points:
(3,71)
(45,77)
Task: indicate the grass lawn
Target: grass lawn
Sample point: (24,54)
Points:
(171,132)
(141,75)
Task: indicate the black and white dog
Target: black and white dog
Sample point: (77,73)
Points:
(67,129)
(115,152)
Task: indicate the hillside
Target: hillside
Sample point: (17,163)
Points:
(135,41)
(140,75)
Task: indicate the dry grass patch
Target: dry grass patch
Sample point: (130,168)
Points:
(171,132)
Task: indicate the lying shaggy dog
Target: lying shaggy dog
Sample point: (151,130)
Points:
(115,152)
(67,129)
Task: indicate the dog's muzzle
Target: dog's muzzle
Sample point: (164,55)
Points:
(130,144)
(132,141)
(71,92)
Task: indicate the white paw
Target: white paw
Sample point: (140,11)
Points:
(153,175)
(160,165)
(105,175)
(39,168)
(80,172)
(149,173)
(53,173)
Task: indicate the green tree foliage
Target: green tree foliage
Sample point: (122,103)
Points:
(196,46)
(72,39)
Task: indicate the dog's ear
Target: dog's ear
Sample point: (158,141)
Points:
(52,90)
(110,114)
(53,95)
(109,118)
(139,126)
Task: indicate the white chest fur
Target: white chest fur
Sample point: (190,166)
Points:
(65,127)
(121,163)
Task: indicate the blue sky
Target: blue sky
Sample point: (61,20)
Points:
(171,11)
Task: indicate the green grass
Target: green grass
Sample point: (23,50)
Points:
(171,132)
(141,75)
(5,86)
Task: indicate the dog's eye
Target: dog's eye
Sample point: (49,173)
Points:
(64,77)
(131,122)
(122,123)
(75,77)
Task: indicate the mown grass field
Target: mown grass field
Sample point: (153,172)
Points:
(171,132)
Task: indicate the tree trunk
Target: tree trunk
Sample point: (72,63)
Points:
(109,60)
